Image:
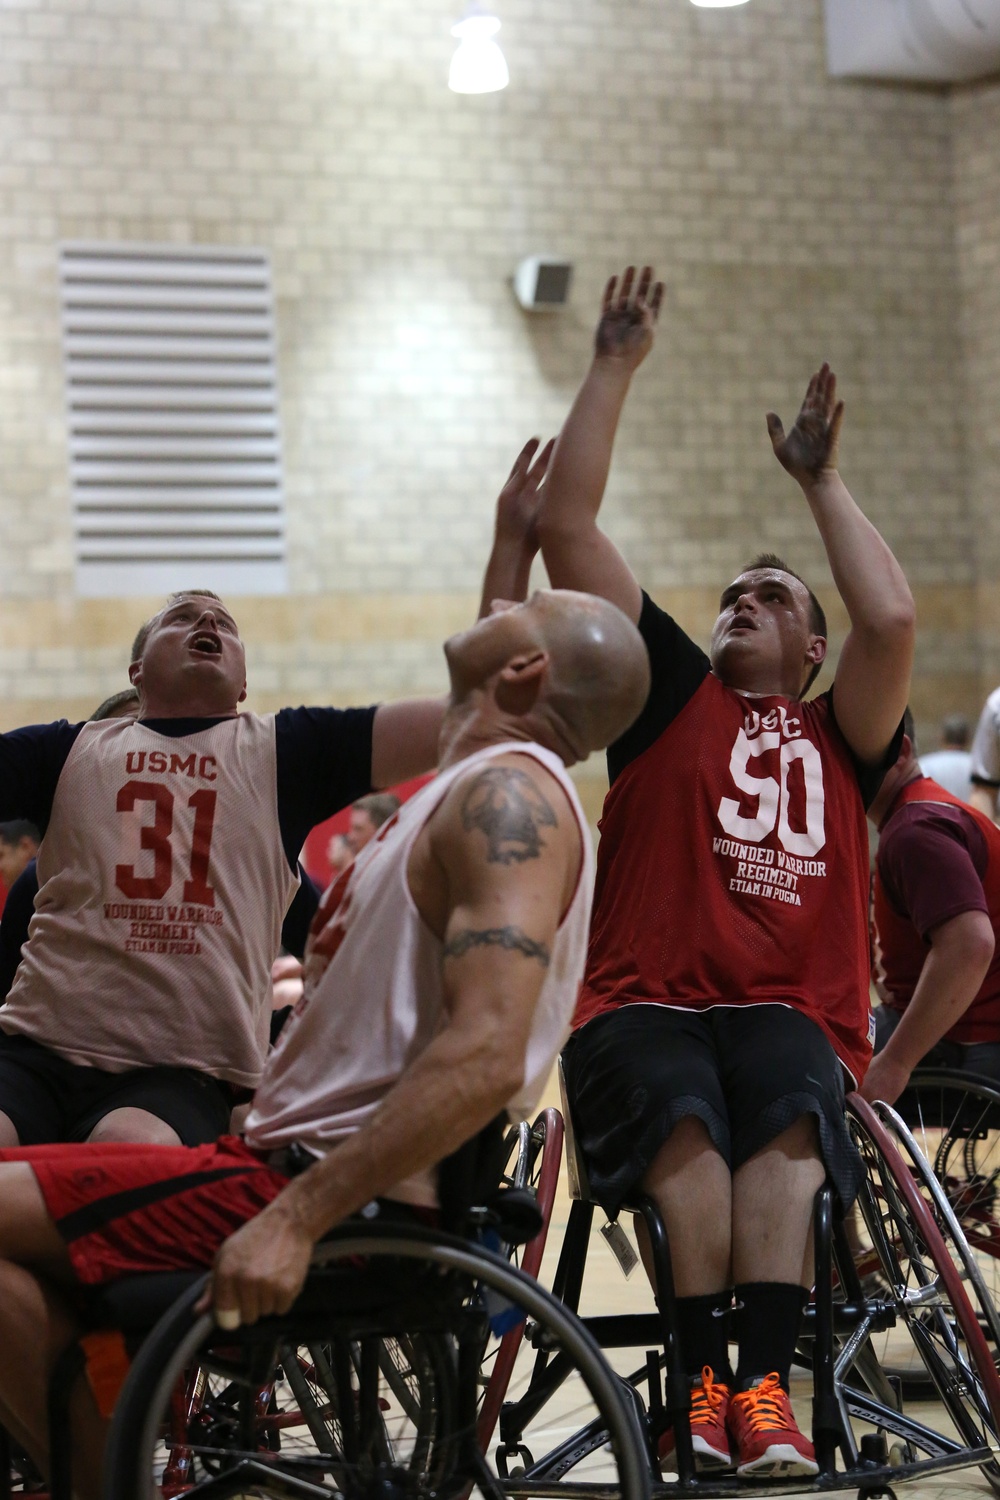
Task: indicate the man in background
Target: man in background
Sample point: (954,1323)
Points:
(367,816)
(935,915)
(985,770)
(18,847)
(951,766)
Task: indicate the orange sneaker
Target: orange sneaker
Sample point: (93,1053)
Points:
(765,1432)
(709,1436)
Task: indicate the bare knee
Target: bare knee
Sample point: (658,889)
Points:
(687,1144)
(800,1142)
(134,1126)
(8,1132)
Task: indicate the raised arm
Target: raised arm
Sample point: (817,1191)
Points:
(515,536)
(497,915)
(873,675)
(577,553)
(405,735)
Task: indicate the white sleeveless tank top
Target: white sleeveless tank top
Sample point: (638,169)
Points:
(373,999)
(162,888)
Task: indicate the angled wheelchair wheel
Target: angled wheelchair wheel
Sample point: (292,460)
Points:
(372,1388)
(918,1369)
(533,1160)
(954,1120)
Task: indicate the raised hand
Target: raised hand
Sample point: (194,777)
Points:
(810,450)
(628,320)
(519,500)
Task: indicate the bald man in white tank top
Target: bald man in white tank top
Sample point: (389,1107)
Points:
(441,976)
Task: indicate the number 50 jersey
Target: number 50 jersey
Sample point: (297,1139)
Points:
(162,886)
(733,864)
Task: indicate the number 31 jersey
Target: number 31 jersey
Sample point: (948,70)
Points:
(162,886)
(733,868)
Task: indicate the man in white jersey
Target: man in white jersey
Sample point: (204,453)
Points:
(441,975)
(168,860)
(141,1007)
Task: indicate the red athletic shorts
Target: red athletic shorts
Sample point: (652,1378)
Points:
(124,1208)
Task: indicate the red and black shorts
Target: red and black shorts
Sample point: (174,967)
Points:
(128,1208)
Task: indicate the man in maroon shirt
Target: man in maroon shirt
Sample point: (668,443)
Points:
(936,911)
(727,979)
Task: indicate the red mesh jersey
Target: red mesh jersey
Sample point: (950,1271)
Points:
(900,950)
(733,869)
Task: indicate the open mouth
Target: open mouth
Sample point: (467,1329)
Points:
(207,644)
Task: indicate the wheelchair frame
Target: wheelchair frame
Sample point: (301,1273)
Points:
(179,1339)
(847,1380)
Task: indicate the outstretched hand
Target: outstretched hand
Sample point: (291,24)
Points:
(628,321)
(810,450)
(519,500)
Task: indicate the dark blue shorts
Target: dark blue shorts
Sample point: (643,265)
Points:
(50,1100)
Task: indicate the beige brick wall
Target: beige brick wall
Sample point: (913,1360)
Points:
(976,114)
(793,218)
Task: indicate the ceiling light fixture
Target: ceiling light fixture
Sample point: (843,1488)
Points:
(478,67)
(717,4)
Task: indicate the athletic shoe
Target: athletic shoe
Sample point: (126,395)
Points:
(765,1432)
(709,1437)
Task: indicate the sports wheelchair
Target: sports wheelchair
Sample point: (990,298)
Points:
(383,1381)
(903,1297)
(951,1119)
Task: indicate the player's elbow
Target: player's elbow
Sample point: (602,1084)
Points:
(982,943)
(969,939)
(560,529)
(500,1065)
(898,617)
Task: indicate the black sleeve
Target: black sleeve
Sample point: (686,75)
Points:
(324,763)
(870,778)
(17,913)
(298,917)
(678,669)
(31,760)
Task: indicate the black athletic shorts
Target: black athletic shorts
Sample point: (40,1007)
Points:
(748,1072)
(981,1058)
(51,1100)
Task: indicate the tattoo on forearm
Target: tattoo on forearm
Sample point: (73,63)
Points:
(508,808)
(510,938)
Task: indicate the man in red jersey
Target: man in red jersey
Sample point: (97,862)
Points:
(727,979)
(936,911)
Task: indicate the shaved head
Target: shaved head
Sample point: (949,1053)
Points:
(570,668)
(599,679)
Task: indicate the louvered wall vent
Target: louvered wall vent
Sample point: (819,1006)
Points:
(175,449)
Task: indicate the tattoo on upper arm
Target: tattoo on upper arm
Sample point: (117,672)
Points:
(508,808)
(510,938)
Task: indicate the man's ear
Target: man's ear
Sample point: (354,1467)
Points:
(135,673)
(816,649)
(243,692)
(520,681)
(905,750)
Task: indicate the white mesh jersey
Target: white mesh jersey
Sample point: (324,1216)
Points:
(162,887)
(374,997)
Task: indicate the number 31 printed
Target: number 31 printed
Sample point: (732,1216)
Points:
(155,837)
